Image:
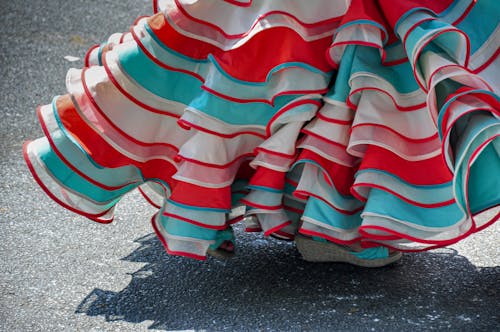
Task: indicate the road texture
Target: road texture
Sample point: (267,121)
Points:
(60,272)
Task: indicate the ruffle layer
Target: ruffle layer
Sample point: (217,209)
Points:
(442,118)
(360,122)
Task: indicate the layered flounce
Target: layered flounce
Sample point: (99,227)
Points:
(404,153)
(350,121)
(200,111)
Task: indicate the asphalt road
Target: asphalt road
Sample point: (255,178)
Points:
(60,272)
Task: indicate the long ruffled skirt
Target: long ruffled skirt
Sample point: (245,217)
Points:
(371,122)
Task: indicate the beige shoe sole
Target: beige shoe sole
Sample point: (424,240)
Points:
(315,251)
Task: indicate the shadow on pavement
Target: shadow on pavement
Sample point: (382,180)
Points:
(267,286)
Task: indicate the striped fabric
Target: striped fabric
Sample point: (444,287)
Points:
(352,121)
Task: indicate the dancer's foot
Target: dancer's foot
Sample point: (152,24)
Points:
(224,251)
(317,251)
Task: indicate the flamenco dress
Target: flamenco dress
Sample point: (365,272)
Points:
(360,123)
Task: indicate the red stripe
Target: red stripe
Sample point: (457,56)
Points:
(293,209)
(162,64)
(292,182)
(277,228)
(265,177)
(323,117)
(68,164)
(239,62)
(102,152)
(240,3)
(198,196)
(414,172)
(283,236)
(342,176)
(235,220)
(253,229)
(393,13)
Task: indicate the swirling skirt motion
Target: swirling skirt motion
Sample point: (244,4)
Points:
(363,121)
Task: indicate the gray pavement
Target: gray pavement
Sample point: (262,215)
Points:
(60,272)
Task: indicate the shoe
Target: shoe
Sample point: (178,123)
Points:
(316,251)
(223,247)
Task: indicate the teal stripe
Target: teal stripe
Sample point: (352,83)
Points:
(267,189)
(178,227)
(71,180)
(186,89)
(198,208)
(88,158)
(99,54)
(368,59)
(443,109)
(68,135)
(236,187)
(420,187)
(244,114)
(382,203)
(171,85)
(109,176)
(416,35)
(480,22)
(480,128)
(221,236)
(340,90)
(289,189)
(318,210)
(484,179)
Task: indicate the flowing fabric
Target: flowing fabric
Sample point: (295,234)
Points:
(363,121)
